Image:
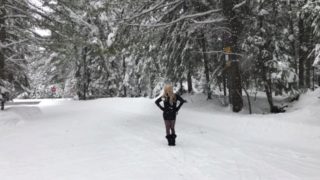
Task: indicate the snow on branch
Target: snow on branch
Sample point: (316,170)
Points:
(12,59)
(177,20)
(15,8)
(218,52)
(155,7)
(77,18)
(316,62)
(14,16)
(239,5)
(38,6)
(195,15)
(209,21)
(169,11)
(209,52)
(32,10)
(2,46)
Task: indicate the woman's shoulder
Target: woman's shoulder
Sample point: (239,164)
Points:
(160,98)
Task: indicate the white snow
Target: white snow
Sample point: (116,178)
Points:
(292,77)
(123,138)
(263,12)
(38,4)
(239,5)
(291,37)
(110,39)
(3,90)
(43,32)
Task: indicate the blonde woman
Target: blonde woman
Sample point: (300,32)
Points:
(170,110)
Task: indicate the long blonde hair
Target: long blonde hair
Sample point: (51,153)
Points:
(168,93)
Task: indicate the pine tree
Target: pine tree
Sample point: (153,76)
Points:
(309,41)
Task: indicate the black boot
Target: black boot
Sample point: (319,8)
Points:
(169,139)
(173,137)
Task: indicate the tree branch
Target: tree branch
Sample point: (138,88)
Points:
(177,20)
(158,6)
(209,21)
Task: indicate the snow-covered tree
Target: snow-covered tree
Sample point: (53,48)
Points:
(81,43)
(15,38)
(268,48)
(311,13)
(184,30)
(131,48)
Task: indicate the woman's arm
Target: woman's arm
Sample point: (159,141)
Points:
(181,101)
(158,103)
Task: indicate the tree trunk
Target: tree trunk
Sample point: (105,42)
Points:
(264,71)
(189,79)
(313,78)
(124,76)
(85,73)
(206,66)
(181,90)
(249,101)
(293,42)
(2,37)
(268,89)
(266,81)
(235,84)
(224,82)
(82,74)
(308,72)
(302,53)
(231,41)
(224,79)
(310,57)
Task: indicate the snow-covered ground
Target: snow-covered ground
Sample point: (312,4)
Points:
(122,139)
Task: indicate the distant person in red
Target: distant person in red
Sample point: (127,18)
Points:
(53,89)
(170,110)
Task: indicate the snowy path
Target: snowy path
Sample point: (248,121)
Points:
(122,139)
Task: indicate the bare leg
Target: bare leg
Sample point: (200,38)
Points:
(172,125)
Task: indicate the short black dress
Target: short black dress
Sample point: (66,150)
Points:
(170,110)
